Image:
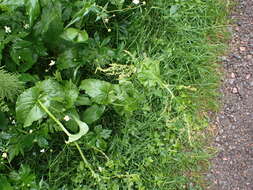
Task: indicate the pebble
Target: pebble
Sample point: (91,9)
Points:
(235,90)
(242,48)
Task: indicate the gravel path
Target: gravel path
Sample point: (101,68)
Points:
(232,168)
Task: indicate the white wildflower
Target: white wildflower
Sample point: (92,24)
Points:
(19,57)
(52,62)
(109,30)
(30,131)
(42,150)
(26,26)
(66,118)
(7,29)
(144,2)
(13,122)
(106,20)
(4,155)
(136,2)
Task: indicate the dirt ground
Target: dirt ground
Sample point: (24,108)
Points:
(232,168)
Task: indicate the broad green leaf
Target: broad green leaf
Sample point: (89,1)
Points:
(75,35)
(82,36)
(71,93)
(93,113)
(83,100)
(33,9)
(148,72)
(66,60)
(4,184)
(23,54)
(50,26)
(100,91)
(26,107)
(83,129)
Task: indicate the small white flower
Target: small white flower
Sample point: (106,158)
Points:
(136,2)
(13,122)
(19,57)
(30,131)
(42,150)
(52,62)
(144,2)
(4,155)
(46,70)
(26,26)
(7,29)
(106,20)
(66,118)
(109,30)
(113,15)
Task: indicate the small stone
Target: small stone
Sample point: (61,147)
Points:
(249,57)
(235,90)
(248,76)
(242,48)
(232,75)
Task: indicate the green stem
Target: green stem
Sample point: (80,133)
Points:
(78,147)
(85,160)
(54,118)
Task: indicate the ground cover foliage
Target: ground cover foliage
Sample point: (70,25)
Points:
(102,94)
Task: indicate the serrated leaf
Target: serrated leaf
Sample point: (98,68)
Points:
(27,107)
(66,59)
(71,93)
(33,9)
(93,113)
(148,72)
(99,91)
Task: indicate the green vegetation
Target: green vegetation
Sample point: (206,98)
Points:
(107,95)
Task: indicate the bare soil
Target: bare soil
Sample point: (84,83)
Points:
(232,168)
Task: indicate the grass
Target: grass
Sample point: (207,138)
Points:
(164,146)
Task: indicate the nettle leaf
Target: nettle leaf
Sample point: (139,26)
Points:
(66,60)
(148,72)
(33,9)
(101,92)
(93,113)
(75,35)
(83,100)
(27,107)
(127,98)
(71,93)
(23,54)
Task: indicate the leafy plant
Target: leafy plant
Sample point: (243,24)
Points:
(122,81)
